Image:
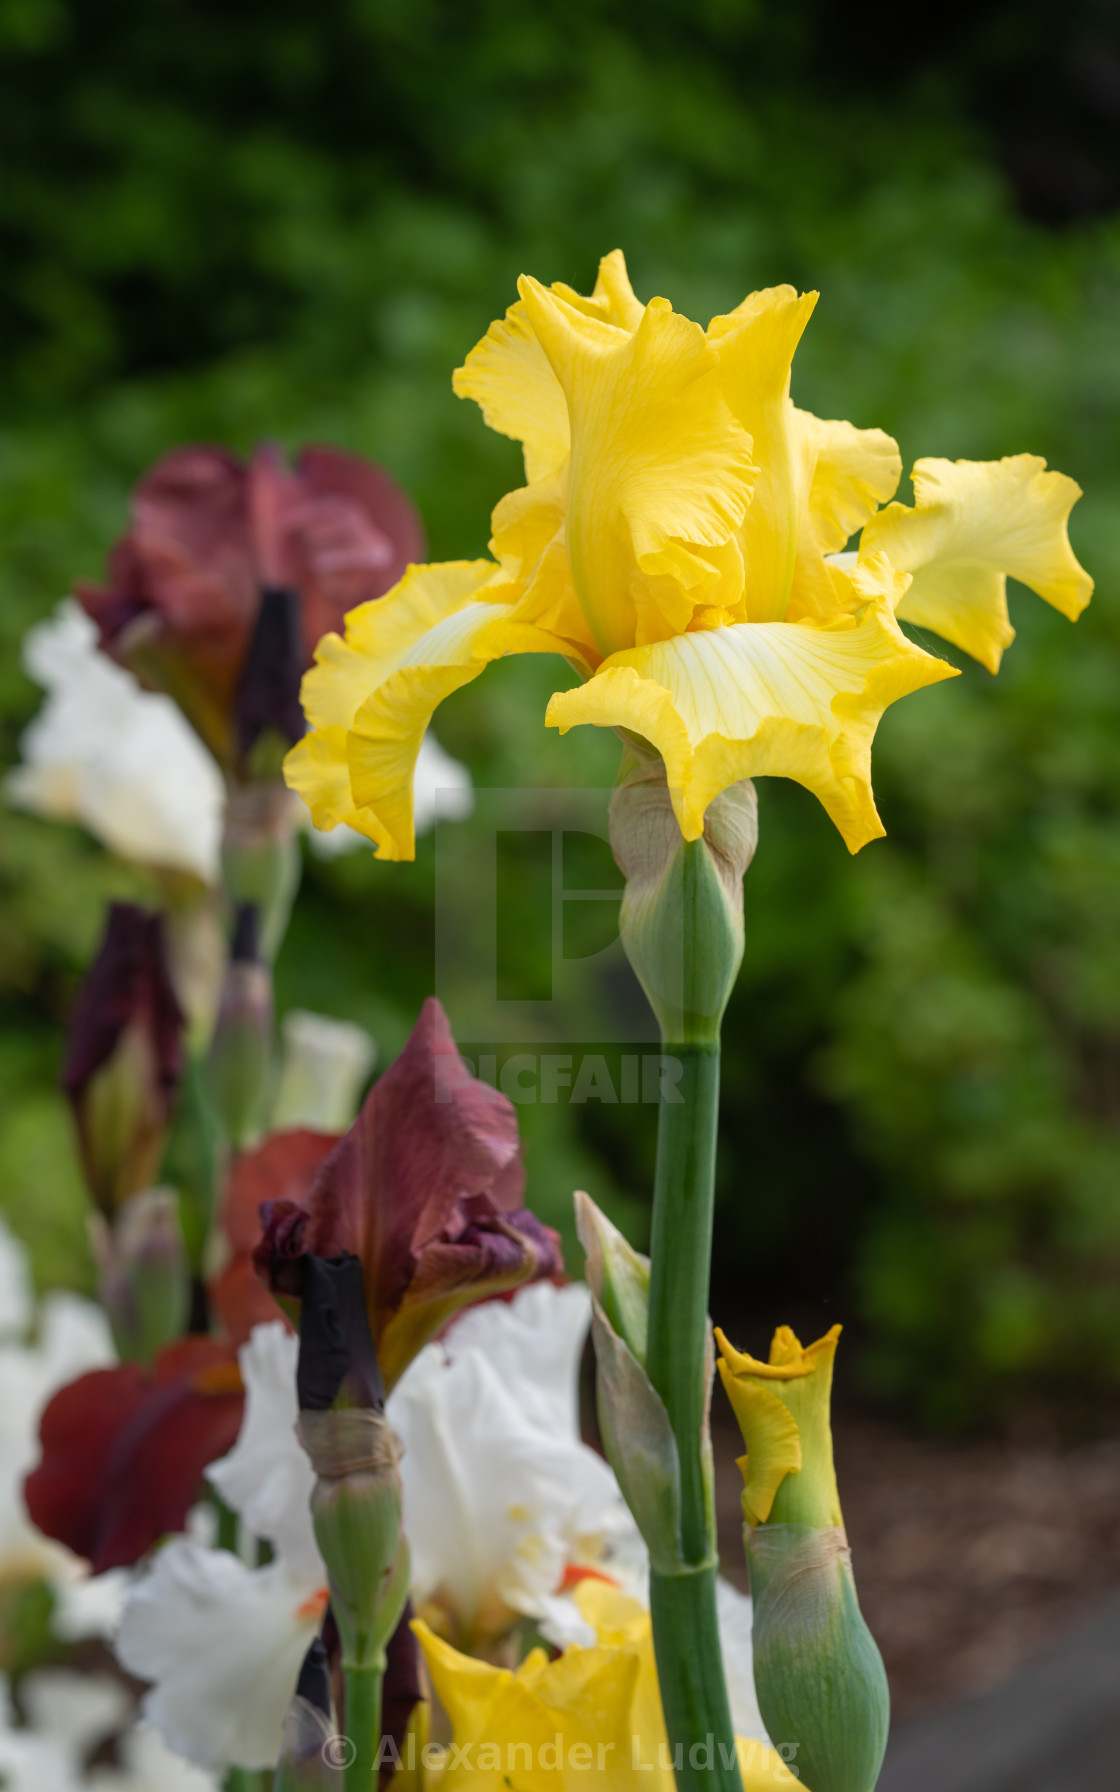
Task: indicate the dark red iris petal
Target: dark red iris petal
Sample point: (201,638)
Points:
(124,1449)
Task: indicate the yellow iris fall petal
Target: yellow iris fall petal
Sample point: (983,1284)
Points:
(591,1720)
(974,522)
(799,700)
(369,698)
(680,542)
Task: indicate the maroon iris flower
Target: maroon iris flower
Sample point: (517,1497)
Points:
(427,1190)
(193,599)
(123,1450)
(124,1057)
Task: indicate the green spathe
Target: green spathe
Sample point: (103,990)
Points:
(682,913)
(821,1685)
(356,1512)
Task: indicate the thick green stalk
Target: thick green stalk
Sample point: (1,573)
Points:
(693,1689)
(685,1631)
(363,1722)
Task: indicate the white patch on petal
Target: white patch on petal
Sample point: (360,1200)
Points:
(91,1605)
(267,1478)
(535,1343)
(78,1710)
(120,760)
(149,1766)
(500,1493)
(325,1066)
(223,1644)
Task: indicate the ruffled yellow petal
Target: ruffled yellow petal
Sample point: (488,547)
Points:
(379,634)
(853,472)
(659,474)
(528,539)
(793,700)
(591,1719)
(509,376)
(756,344)
(783,1410)
(371,696)
(772,1440)
(974,523)
(613,298)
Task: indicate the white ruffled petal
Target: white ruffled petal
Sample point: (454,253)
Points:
(222,1644)
(267,1478)
(121,760)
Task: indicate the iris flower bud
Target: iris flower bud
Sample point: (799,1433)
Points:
(124,1058)
(145,1278)
(356,1504)
(822,1689)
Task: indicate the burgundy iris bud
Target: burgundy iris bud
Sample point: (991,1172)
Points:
(239,1068)
(124,1058)
(356,1502)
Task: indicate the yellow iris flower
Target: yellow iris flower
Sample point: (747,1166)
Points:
(590,1720)
(680,541)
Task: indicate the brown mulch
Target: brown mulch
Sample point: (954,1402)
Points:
(970,1558)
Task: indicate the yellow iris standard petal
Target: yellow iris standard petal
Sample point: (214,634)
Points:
(756,345)
(369,697)
(854,471)
(659,473)
(793,700)
(974,523)
(509,376)
(591,1719)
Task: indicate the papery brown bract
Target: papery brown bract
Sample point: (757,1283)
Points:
(124,1057)
(426,1188)
(210,533)
(281,1169)
(123,1450)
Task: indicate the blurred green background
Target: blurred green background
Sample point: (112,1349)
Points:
(273,219)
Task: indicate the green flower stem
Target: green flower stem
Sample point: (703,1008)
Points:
(693,1689)
(363,1721)
(685,1630)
